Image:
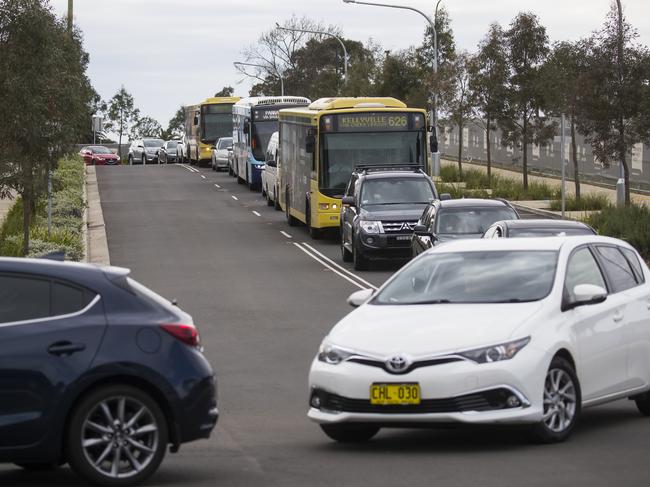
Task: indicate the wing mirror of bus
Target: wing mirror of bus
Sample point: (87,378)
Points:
(347,201)
(271,163)
(247,128)
(433,143)
(196,120)
(310,144)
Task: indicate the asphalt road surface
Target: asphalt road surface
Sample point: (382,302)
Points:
(263,295)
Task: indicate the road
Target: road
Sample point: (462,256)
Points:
(262,303)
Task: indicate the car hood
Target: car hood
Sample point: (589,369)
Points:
(430,328)
(392,212)
(105,156)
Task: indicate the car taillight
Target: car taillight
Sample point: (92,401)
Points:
(185,333)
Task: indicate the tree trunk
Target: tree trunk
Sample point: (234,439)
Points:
(574,156)
(489,155)
(623,154)
(460,150)
(525,149)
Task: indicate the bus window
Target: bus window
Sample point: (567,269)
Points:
(216,122)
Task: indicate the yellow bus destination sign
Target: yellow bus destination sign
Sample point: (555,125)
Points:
(352,122)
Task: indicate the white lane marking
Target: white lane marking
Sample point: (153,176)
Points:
(328,266)
(185,167)
(343,269)
(216,185)
(202,176)
(256,213)
(285,234)
(234,197)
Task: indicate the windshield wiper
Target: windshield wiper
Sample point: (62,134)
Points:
(514,300)
(432,301)
(399,203)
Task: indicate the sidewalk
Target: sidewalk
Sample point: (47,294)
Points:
(555,183)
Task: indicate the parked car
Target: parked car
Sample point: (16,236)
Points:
(220,153)
(380,208)
(168,152)
(94,155)
(181,153)
(97,371)
(143,151)
(442,221)
(512,331)
(537,228)
(270,173)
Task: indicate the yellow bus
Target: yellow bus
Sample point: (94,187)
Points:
(205,123)
(321,144)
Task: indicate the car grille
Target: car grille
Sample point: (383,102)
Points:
(489,400)
(415,365)
(398,227)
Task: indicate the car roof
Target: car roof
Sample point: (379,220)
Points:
(473,203)
(534,243)
(543,223)
(403,173)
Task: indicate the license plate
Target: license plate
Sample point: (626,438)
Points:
(384,394)
(403,237)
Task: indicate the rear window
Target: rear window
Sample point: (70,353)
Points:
(224,143)
(147,295)
(633,259)
(549,232)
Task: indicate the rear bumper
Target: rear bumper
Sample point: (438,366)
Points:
(200,412)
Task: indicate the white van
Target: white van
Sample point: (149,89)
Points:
(270,173)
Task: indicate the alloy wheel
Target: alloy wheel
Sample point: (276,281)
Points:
(120,437)
(559,400)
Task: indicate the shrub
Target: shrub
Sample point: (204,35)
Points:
(586,202)
(631,224)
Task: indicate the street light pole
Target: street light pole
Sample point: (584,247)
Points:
(434,97)
(277,73)
(345,51)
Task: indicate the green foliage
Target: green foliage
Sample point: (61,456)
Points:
(122,113)
(176,125)
(631,224)
(586,202)
(225,91)
(146,127)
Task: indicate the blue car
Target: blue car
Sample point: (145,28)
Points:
(96,371)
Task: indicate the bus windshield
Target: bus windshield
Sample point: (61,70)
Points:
(341,152)
(216,122)
(262,132)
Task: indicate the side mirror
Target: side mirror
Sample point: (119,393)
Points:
(347,201)
(433,143)
(310,144)
(586,294)
(358,298)
(229,148)
(421,230)
(445,196)
(247,128)
(140,146)
(196,120)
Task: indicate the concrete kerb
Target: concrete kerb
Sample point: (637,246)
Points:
(97,243)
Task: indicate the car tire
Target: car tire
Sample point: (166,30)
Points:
(291,220)
(350,433)
(562,403)
(346,255)
(130,160)
(144,160)
(89,415)
(269,201)
(361,262)
(276,199)
(643,403)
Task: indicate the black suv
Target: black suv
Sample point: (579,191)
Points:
(379,210)
(454,219)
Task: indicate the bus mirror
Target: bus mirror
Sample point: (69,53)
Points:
(310,144)
(196,120)
(433,143)
(247,128)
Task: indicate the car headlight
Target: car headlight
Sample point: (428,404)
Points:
(496,353)
(371,227)
(331,354)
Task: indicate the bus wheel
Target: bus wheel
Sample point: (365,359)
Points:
(276,199)
(314,233)
(291,220)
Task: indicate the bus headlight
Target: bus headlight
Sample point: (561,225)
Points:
(371,227)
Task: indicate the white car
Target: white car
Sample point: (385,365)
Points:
(220,153)
(270,173)
(503,331)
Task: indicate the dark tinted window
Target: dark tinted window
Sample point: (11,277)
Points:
(549,232)
(23,298)
(66,299)
(634,261)
(617,268)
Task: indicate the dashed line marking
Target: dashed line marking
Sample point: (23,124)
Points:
(216,185)
(256,213)
(202,176)
(234,197)
(285,234)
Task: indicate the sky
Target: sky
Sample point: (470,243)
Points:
(168,53)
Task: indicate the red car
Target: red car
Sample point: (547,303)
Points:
(95,155)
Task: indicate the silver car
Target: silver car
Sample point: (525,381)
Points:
(220,153)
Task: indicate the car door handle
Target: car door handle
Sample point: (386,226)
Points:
(65,348)
(618,316)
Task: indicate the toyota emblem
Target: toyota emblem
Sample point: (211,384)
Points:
(398,364)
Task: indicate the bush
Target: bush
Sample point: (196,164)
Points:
(586,202)
(631,224)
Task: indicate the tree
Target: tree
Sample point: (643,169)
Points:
(457,96)
(488,76)
(614,110)
(122,114)
(176,125)
(521,120)
(146,127)
(564,76)
(225,91)
(401,77)
(44,100)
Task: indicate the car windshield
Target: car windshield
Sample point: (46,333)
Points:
(468,221)
(393,191)
(341,152)
(549,232)
(473,277)
(172,144)
(101,150)
(224,143)
(153,142)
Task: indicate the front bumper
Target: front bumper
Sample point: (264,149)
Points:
(385,246)
(456,392)
(151,157)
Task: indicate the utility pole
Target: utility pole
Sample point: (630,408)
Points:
(70,8)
